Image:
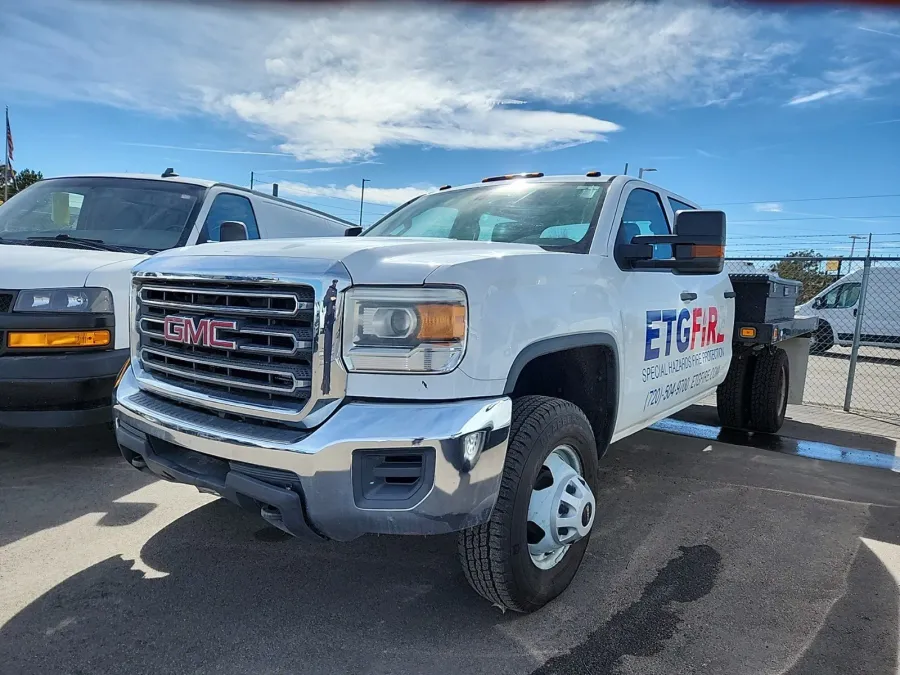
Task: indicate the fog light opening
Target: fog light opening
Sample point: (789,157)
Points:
(472,445)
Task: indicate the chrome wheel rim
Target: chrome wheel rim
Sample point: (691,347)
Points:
(561,509)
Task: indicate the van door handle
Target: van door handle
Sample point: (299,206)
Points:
(854,312)
(730,294)
(687,297)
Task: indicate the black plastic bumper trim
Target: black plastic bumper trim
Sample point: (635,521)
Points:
(216,475)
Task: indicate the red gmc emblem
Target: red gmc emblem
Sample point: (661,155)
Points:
(199,332)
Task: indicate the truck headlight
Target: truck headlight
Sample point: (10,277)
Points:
(64,300)
(404,330)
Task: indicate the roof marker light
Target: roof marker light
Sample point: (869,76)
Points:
(510,176)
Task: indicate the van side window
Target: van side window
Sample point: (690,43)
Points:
(644,214)
(227,206)
(845,295)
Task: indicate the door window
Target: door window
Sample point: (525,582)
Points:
(841,297)
(644,214)
(225,207)
(680,206)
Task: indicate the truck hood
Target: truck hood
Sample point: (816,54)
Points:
(23,267)
(369,260)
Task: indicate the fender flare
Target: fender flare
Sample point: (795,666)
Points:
(563,343)
(558,343)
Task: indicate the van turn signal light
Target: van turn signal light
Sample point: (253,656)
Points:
(748,333)
(58,339)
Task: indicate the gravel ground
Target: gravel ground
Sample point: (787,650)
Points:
(708,557)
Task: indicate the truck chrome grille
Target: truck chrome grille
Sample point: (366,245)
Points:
(262,357)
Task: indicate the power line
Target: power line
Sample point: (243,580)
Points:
(803,199)
(781,220)
(812,236)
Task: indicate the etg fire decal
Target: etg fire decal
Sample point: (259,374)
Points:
(198,332)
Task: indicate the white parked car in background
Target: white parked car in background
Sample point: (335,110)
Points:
(67,246)
(837,308)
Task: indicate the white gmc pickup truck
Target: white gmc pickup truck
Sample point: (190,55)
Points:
(460,367)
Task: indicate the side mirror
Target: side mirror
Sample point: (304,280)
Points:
(698,245)
(233,230)
(818,302)
(354,231)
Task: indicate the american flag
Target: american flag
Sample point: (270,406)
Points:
(10,148)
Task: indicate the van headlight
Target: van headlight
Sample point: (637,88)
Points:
(404,330)
(94,300)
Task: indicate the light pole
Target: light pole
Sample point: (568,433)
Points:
(362,194)
(641,172)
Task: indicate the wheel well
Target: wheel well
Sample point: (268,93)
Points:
(585,376)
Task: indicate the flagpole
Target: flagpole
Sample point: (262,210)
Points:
(6,160)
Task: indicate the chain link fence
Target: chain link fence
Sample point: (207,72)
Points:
(854,361)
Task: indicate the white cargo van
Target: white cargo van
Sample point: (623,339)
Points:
(838,306)
(67,246)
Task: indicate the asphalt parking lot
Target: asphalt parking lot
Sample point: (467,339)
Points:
(709,557)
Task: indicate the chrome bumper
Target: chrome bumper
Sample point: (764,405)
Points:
(323,461)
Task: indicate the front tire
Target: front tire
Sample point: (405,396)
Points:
(822,339)
(506,560)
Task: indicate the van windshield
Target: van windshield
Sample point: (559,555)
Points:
(555,216)
(131,214)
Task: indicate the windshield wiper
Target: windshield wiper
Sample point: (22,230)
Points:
(90,244)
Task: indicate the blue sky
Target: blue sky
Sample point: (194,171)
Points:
(730,105)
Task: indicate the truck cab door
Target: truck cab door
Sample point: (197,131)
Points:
(676,327)
(650,298)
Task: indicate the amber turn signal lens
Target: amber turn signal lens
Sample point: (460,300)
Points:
(709,251)
(58,339)
(441,322)
(748,332)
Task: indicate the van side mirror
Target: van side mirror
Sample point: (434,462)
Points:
(698,245)
(354,231)
(233,230)
(818,303)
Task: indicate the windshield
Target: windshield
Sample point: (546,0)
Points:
(556,216)
(127,213)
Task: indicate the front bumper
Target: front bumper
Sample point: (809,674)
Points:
(58,390)
(322,484)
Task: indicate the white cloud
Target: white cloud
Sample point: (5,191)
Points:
(880,32)
(768,207)
(854,81)
(815,96)
(214,150)
(374,195)
(337,85)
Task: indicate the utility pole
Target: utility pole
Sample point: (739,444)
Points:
(362,194)
(641,172)
(853,238)
(251,180)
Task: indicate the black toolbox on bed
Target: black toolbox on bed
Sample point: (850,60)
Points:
(764,297)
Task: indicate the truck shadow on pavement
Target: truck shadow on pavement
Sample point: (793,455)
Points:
(49,477)
(228,595)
